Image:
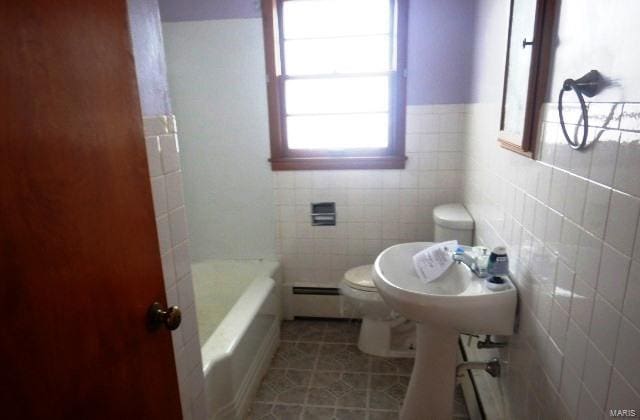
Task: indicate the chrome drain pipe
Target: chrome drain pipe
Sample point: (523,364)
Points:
(492,367)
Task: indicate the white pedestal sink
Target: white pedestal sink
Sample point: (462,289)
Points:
(457,302)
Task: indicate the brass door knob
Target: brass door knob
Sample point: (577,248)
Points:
(170,318)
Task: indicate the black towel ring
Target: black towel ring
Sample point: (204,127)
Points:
(589,84)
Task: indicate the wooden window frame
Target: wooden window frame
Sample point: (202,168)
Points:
(544,25)
(284,158)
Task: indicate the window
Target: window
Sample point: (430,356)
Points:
(336,83)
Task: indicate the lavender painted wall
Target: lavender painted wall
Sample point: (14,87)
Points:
(440,51)
(148,52)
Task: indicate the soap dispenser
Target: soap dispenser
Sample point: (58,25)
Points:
(498,269)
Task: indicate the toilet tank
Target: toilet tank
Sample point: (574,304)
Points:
(453,221)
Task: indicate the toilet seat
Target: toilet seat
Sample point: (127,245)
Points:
(360,278)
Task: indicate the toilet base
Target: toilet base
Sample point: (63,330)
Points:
(377,338)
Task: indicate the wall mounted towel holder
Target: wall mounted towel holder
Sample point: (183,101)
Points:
(590,85)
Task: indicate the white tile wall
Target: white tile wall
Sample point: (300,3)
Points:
(375,208)
(171,221)
(570,221)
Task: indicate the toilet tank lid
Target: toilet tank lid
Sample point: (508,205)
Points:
(360,278)
(452,216)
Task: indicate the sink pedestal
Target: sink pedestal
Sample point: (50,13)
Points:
(432,385)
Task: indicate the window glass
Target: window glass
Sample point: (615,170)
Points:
(335,18)
(337,95)
(359,54)
(338,132)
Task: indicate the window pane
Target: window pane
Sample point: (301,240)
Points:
(343,55)
(327,18)
(337,95)
(337,132)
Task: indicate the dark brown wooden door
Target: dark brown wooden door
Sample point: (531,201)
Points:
(79,257)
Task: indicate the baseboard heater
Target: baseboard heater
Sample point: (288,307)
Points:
(317,291)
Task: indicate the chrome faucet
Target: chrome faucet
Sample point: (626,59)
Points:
(470,260)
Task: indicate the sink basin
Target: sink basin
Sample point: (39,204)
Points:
(458,301)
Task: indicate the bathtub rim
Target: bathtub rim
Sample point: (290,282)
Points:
(226,337)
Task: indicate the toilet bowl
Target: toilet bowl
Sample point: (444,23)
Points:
(383,332)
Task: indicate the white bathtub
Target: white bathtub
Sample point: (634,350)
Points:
(239,314)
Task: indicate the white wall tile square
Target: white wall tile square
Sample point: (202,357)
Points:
(636,248)
(552,363)
(189,326)
(612,280)
(164,234)
(622,221)
(170,153)
(155,125)
(631,306)
(596,375)
(563,154)
(626,361)
(575,348)
(168,270)
(596,208)
(587,407)
(543,187)
(558,326)
(553,231)
(178,226)
(564,286)
(154,157)
(621,395)
(570,389)
(540,220)
(630,119)
(580,163)
(575,201)
(604,152)
(569,240)
(175,194)
(558,194)
(604,327)
(159,192)
(582,304)
(186,296)
(547,143)
(588,258)
(530,205)
(181,259)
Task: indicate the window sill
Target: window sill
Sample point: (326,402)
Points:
(336,163)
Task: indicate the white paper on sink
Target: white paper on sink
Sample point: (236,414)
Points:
(432,262)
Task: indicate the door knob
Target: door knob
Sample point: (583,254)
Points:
(170,317)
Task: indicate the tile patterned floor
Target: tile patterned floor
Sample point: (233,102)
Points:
(319,373)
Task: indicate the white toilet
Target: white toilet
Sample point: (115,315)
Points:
(383,332)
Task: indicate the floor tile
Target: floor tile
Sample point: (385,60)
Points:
(318,413)
(350,414)
(342,332)
(303,330)
(296,355)
(319,373)
(383,415)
